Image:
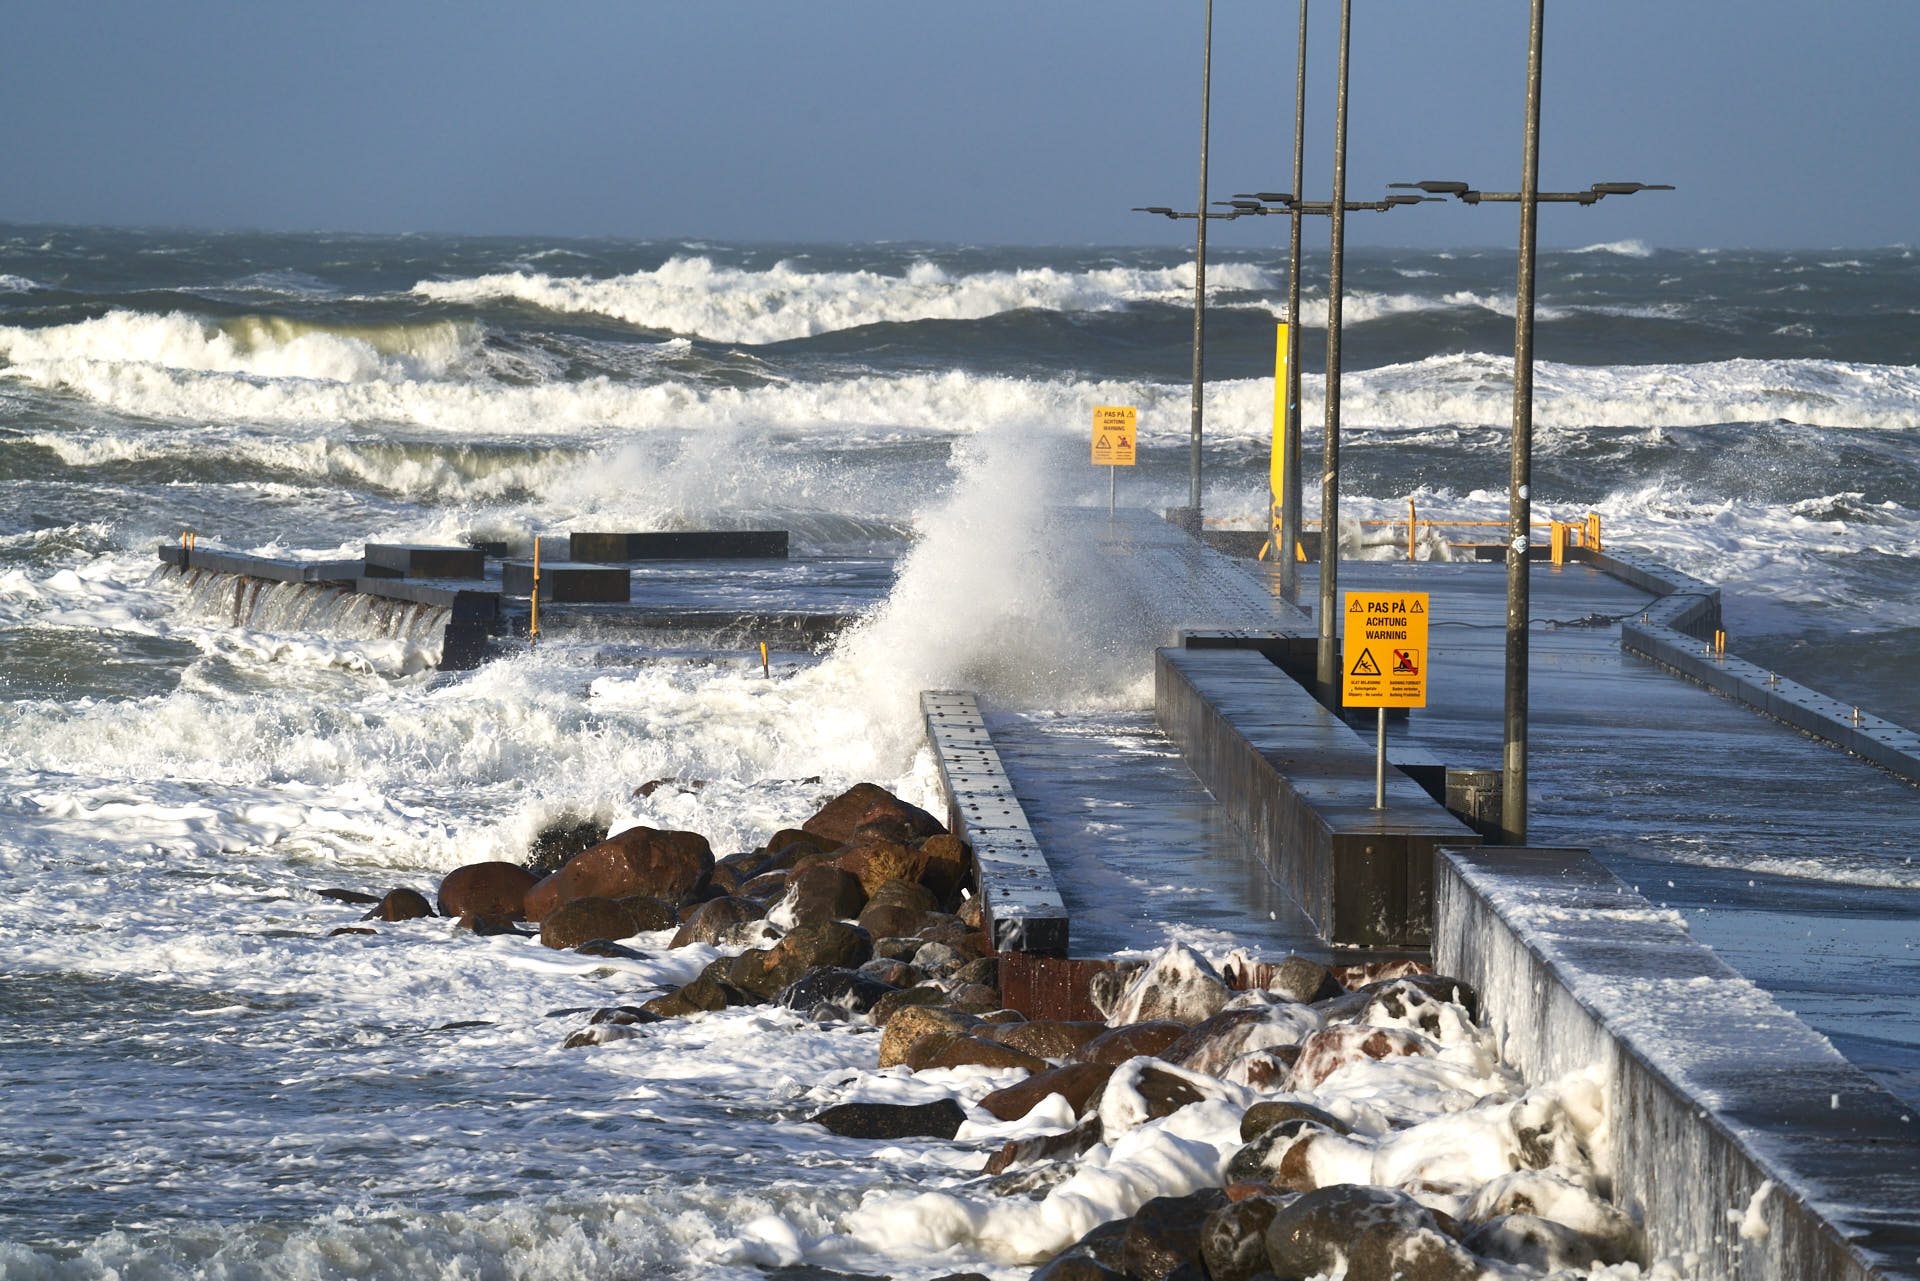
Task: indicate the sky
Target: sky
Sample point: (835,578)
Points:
(1038,122)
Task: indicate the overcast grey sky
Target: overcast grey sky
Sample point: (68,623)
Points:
(1784,124)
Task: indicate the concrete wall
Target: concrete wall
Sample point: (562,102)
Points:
(1713,1090)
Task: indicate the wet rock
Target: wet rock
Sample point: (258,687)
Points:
(1278,1156)
(349,929)
(1381,1235)
(1139,1092)
(938,1120)
(623,1015)
(559,841)
(818,893)
(905,1026)
(787,838)
(1047,1038)
(1233,1240)
(649,914)
(1211,1045)
(768,887)
(948,867)
(1077,1267)
(1117,1045)
(486,889)
(889,920)
(940,960)
(640,860)
(904,894)
(575,922)
(489,925)
(847,992)
(400,905)
(1409,993)
(1104,1247)
(809,947)
(1263,1116)
(609,950)
(974,998)
(1165,1233)
(1328,1051)
(838,819)
(1034,1182)
(1295,977)
(1612,1235)
(879,861)
(972,913)
(1047,1147)
(973,1051)
(1077,1083)
(893,973)
(605,1034)
(898,949)
(1531,1242)
(705,993)
(984,970)
(1355,977)
(735,870)
(892,1003)
(1179,985)
(1265,1070)
(356,897)
(716,921)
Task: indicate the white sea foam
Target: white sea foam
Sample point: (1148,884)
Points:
(1623,248)
(11,284)
(729,304)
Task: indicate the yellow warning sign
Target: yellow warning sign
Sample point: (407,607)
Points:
(1113,435)
(1385,650)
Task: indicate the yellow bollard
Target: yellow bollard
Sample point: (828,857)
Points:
(533,631)
(764,669)
(1412,524)
(1560,531)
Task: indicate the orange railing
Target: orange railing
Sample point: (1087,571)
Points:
(1563,535)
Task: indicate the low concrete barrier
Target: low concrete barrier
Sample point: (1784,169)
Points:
(1676,632)
(1023,907)
(1300,783)
(1749,1147)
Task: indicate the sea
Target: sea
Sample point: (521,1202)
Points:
(199,1080)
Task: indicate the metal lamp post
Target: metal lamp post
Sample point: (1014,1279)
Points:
(1513,787)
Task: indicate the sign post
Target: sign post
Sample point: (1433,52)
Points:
(1384,656)
(1113,442)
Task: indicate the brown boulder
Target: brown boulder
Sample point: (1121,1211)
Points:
(905,894)
(1047,1038)
(1233,1242)
(907,1024)
(579,920)
(1049,1147)
(973,1051)
(866,803)
(486,889)
(819,893)
(1211,1046)
(948,866)
(715,919)
(893,1002)
(1165,1233)
(1076,1082)
(765,888)
(1263,1116)
(888,920)
(640,860)
(877,862)
(1117,1045)
(974,998)
(704,993)
(787,838)
(1325,1053)
(649,913)
(400,905)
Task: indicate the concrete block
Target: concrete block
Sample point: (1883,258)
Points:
(722,544)
(398,560)
(568,582)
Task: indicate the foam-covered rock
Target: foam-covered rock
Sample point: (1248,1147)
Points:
(1216,1042)
(1117,1045)
(1179,985)
(1375,1234)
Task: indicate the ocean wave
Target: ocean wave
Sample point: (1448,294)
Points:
(10,284)
(255,346)
(1623,248)
(693,296)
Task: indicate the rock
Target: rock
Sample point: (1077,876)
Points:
(575,922)
(890,920)
(1076,1267)
(349,929)
(938,1120)
(1355,977)
(715,921)
(897,949)
(1233,1240)
(893,1002)
(1326,1052)
(1265,1070)
(904,894)
(639,860)
(1138,1092)
(487,925)
(984,970)
(829,943)
(877,862)
(1103,1247)
(1179,985)
(768,887)
(892,973)
(1295,977)
(1210,1046)
(705,993)
(1105,987)
(623,1015)
(609,949)
(1609,1231)
(905,1026)
(349,896)
(486,889)
(649,914)
(1047,1038)
(974,998)
(947,868)
(973,1051)
(1076,1082)
(1117,1045)
(847,992)
(941,960)
(1278,1156)
(735,870)
(1263,1116)
(1410,992)
(788,837)
(559,841)
(819,893)
(864,803)
(603,1035)
(1034,1182)
(1165,1233)
(973,913)
(1048,1147)
(400,905)
(1531,1242)
(1379,1233)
